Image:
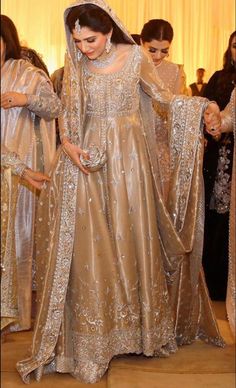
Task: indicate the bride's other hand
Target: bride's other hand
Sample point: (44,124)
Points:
(74,152)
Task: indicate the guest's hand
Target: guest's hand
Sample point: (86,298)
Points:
(35,178)
(74,152)
(13,99)
(212,120)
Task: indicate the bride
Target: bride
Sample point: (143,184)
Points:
(105,241)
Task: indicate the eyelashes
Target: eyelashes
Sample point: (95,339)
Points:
(153,51)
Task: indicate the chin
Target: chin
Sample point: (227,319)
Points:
(91,56)
(157,63)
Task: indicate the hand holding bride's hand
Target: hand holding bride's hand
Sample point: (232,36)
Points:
(36,178)
(212,120)
(74,152)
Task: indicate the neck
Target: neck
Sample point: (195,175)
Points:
(105,59)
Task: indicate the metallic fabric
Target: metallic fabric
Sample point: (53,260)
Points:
(173,77)
(21,130)
(106,242)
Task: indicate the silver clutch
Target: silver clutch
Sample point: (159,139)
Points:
(97,158)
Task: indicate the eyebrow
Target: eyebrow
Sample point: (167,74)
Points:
(79,40)
(154,48)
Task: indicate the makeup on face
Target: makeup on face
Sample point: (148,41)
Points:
(90,43)
(158,50)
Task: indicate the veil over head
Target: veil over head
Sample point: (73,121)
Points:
(73,92)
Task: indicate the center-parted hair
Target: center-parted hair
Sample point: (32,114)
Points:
(157,29)
(95,18)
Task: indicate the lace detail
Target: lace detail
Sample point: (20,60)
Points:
(110,94)
(12,160)
(90,362)
(220,200)
(46,105)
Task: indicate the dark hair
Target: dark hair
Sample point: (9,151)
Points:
(136,38)
(10,37)
(227,60)
(201,69)
(157,29)
(95,18)
(33,57)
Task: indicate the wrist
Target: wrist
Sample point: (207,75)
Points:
(26,172)
(65,140)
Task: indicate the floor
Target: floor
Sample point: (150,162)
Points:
(196,366)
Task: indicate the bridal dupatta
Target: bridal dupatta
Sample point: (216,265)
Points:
(179,224)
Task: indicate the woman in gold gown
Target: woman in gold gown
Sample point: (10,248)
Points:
(105,239)
(28,105)
(13,171)
(156,38)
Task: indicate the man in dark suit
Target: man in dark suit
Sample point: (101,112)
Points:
(197,88)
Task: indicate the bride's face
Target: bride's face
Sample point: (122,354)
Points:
(90,43)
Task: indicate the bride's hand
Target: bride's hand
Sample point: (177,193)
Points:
(74,152)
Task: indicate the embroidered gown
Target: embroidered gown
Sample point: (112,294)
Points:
(104,290)
(29,132)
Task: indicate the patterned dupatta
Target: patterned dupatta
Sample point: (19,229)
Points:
(176,224)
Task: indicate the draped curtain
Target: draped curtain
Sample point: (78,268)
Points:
(201,28)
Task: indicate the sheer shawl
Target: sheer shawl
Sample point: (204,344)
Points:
(179,224)
(21,131)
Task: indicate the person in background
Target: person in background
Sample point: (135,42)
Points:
(197,88)
(228,124)
(13,172)
(57,79)
(217,169)
(156,39)
(33,57)
(136,38)
(28,107)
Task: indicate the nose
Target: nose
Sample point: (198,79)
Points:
(158,54)
(83,47)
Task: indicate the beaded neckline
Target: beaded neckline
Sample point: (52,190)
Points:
(126,64)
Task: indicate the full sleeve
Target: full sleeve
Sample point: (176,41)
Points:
(152,84)
(180,84)
(45,103)
(228,114)
(11,160)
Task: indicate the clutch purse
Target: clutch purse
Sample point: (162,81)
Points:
(97,158)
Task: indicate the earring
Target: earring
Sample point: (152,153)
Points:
(108,45)
(79,55)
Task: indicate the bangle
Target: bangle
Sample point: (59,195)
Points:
(19,170)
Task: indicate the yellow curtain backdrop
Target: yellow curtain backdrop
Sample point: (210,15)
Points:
(201,27)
